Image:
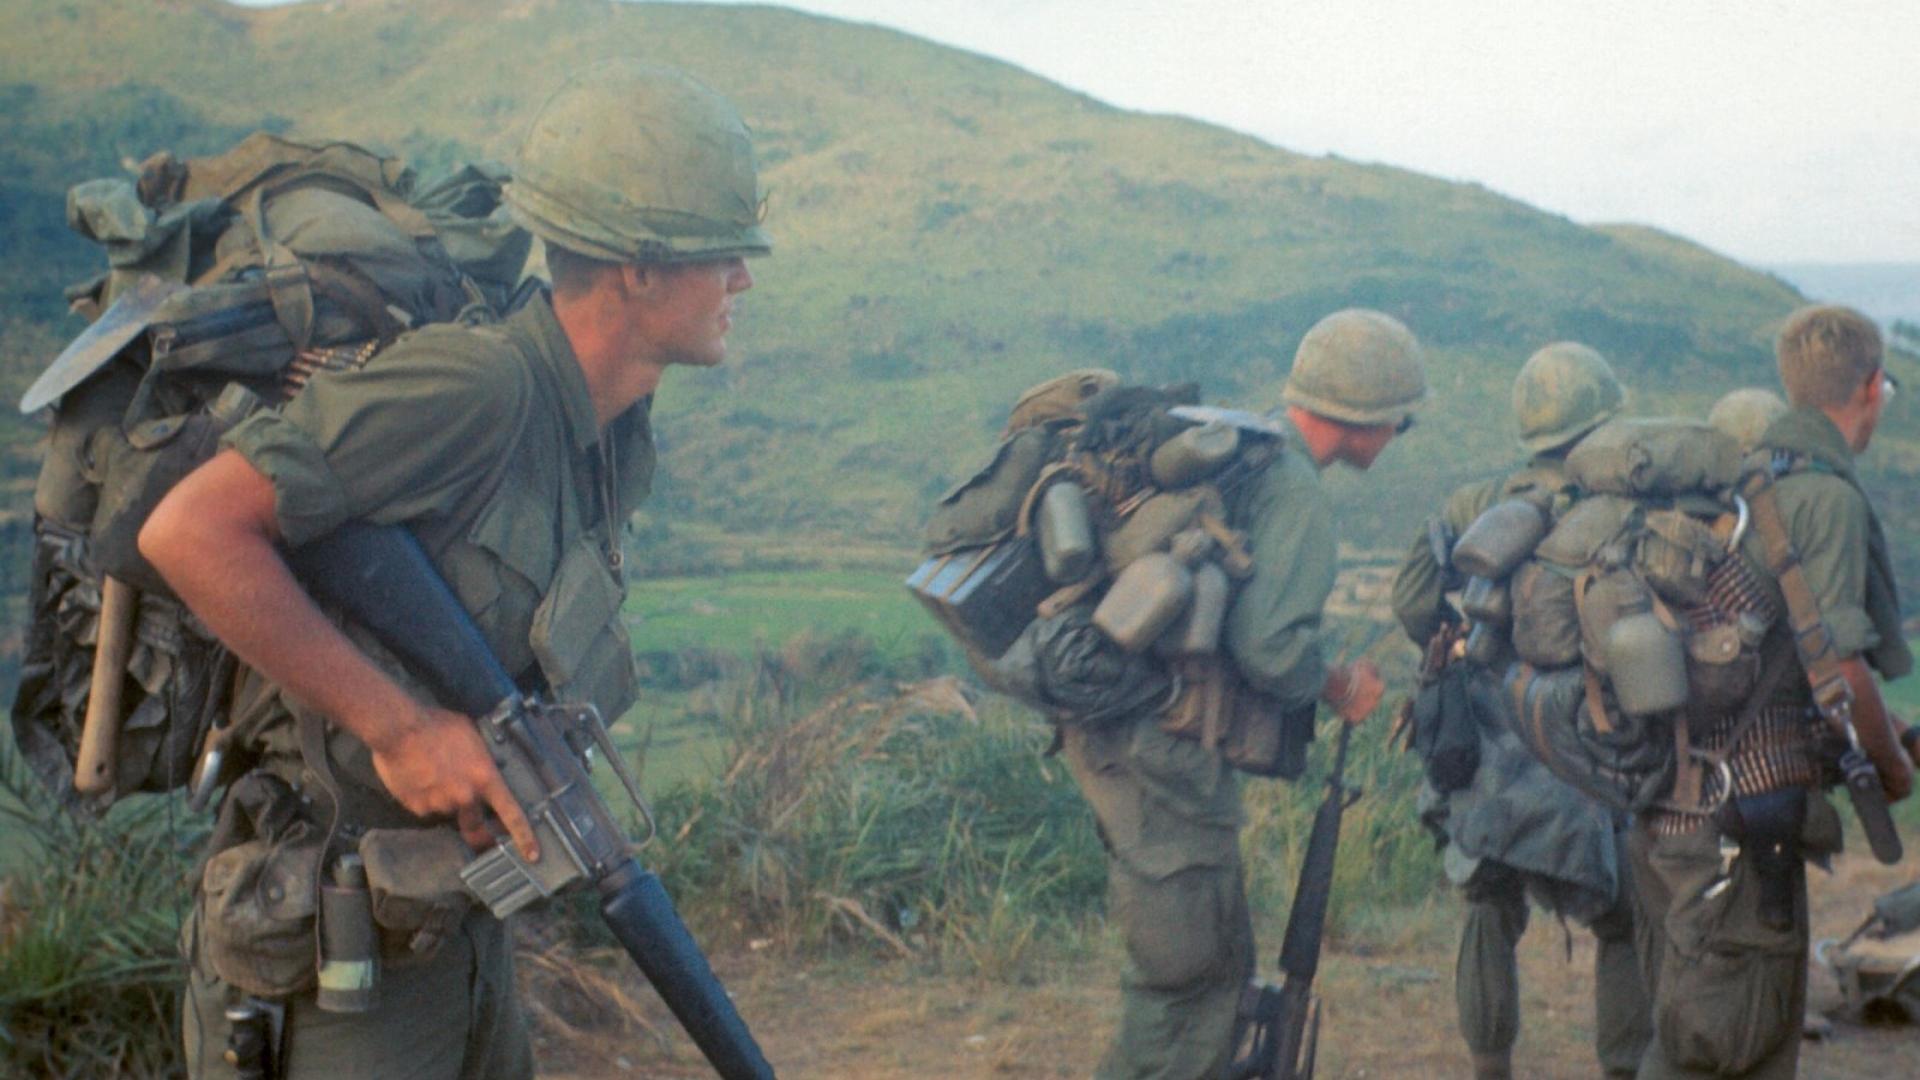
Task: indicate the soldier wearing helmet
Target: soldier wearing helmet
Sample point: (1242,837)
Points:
(1513,829)
(1746,413)
(1169,804)
(515,452)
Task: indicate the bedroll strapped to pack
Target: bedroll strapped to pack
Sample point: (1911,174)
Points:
(232,280)
(1088,567)
(1630,609)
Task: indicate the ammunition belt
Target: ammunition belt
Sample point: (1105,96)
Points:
(1780,750)
(1733,590)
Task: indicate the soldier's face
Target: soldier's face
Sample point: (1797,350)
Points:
(1360,446)
(689,309)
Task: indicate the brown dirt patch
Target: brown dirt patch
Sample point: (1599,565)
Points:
(1389,1009)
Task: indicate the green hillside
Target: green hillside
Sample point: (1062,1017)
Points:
(949,230)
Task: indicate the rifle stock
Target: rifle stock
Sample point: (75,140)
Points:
(379,577)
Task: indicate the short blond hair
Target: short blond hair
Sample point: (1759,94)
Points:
(1825,352)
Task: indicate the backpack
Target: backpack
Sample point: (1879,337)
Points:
(1626,606)
(1877,967)
(232,280)
(1087,568)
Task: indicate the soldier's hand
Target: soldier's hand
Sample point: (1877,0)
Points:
(437,765)
(1359,690)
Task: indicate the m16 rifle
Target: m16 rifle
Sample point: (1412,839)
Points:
(1277,1032)
(379,577)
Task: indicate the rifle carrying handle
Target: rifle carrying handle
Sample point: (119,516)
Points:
(93,769)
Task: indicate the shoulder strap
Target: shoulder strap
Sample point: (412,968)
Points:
(1812,642)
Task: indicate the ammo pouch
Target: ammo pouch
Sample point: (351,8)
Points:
(414,878)
(259,890)
(1446,733)
(1252,731)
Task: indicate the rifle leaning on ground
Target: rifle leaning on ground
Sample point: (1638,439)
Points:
(379,577)
(1280,1025)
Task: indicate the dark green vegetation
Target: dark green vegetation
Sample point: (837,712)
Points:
(949,230)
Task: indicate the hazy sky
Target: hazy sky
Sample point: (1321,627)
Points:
(1771,130)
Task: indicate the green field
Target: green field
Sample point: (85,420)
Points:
(739,613)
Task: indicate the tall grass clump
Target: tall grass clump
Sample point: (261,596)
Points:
(90,973)
(892,814)
(1386,859)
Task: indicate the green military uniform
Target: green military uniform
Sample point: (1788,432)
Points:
(1169,808)
(485,442)
(1730,990)
(1515,829)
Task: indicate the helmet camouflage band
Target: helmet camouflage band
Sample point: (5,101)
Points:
(1562,392)
(1360,367)
(630,162)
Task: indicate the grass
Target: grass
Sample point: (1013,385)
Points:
(89,916)
(741,612)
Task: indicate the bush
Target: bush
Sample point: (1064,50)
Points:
(90,971)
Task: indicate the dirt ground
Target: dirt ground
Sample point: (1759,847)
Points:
(1388,1010)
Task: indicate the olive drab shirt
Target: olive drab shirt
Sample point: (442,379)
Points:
(483,440)
(1272,628)
(1842,549)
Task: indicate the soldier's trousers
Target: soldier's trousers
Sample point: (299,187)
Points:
(1169,816)
(453,1016)
(1729,991)
(1486,979)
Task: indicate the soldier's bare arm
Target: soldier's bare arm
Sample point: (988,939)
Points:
(213,538)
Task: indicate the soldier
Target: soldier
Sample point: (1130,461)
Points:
(515,452)
(1168,807)
(1724,895)
(1746,413)
(1515,830)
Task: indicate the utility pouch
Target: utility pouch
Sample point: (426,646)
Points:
(1546,624)
(418,897)
(1675,555)
(1253,732)
(259,891)
(1446,733)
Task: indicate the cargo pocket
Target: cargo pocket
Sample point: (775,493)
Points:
(1726,981)
(259,900)
(1184,929)
(578,635)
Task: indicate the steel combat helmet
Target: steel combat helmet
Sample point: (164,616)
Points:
(1746,414)
(630,162)
(1562,392)
(1360,367)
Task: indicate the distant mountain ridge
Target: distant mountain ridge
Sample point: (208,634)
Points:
(948,230)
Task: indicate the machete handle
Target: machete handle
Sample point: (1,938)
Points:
(93,768)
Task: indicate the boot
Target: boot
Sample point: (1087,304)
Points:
(1493,1066)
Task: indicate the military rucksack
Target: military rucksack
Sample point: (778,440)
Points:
(1624,606)
(1877,967)
(232,280)
(1087,568)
